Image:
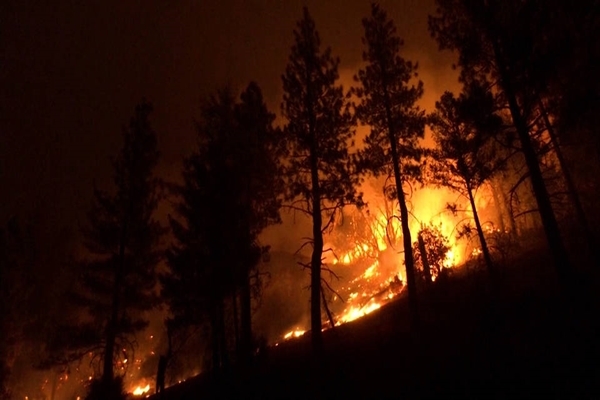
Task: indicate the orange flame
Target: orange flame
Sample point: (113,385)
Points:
(141,390)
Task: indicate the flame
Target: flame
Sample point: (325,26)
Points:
(294,333)
(376,251)
(355,312)
(141,390)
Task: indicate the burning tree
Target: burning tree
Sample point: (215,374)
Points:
(213,264)
(465,157)
(387,105)
(319,131)
(431,252)
(497,39)
(118,278)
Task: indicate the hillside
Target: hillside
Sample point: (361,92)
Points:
(518,338)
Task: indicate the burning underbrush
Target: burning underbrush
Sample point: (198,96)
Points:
(364,256)
(363,269)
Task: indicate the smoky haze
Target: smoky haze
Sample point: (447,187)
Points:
(72,72)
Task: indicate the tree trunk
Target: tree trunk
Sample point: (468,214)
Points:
(246,334)
(223,336)
(484,248)
(426,268)
(499,207)
(508,209)
(216,354)
(236,322)
(315,263)
(111,327)
(317,220)
(550,225)
(570,184)
(408,256)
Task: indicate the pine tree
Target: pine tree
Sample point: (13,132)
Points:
(228,196)
(496,39)
(118,279)
(261,186)
(387,105)
(465,157)
(201,267)
(319,131)
(17,266)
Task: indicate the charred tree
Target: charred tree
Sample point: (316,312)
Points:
(388,106)
(318,133)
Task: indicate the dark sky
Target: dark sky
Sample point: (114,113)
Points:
(71,73)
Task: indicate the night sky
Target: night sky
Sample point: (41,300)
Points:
(72,72)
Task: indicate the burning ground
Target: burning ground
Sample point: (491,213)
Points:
(363,270)
(475,340)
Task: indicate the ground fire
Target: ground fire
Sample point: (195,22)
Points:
(366,254)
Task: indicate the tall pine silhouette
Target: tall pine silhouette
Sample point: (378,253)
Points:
(465,157)
(228,196)
(497,39)
(118,280)
(387,105)
(318,133)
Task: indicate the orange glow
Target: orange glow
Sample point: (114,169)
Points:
(354,312)
(141,390)
(294,334)
(367,250)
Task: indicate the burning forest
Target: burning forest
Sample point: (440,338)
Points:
(455,207)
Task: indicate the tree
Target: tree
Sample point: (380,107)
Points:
(200,274)
(17,257)
(495,38)
(260,171)
(431,250)
(465,158)
(387,105)
(319,131)
(228,196)
(118,278)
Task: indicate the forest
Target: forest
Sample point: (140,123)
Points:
(350,242)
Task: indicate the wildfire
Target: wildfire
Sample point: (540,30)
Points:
(294,334)
(354,312)
(373,264)
(141,390)
(476,252)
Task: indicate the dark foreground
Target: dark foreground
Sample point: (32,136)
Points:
(517,339)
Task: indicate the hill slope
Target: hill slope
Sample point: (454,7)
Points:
(517,338)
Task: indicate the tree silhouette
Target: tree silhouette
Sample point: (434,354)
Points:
(261,186)
(430,250)
(319,131)
(118,278)
(494,38)
(387,105)
(228,196)
(465,157)
(17,257)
